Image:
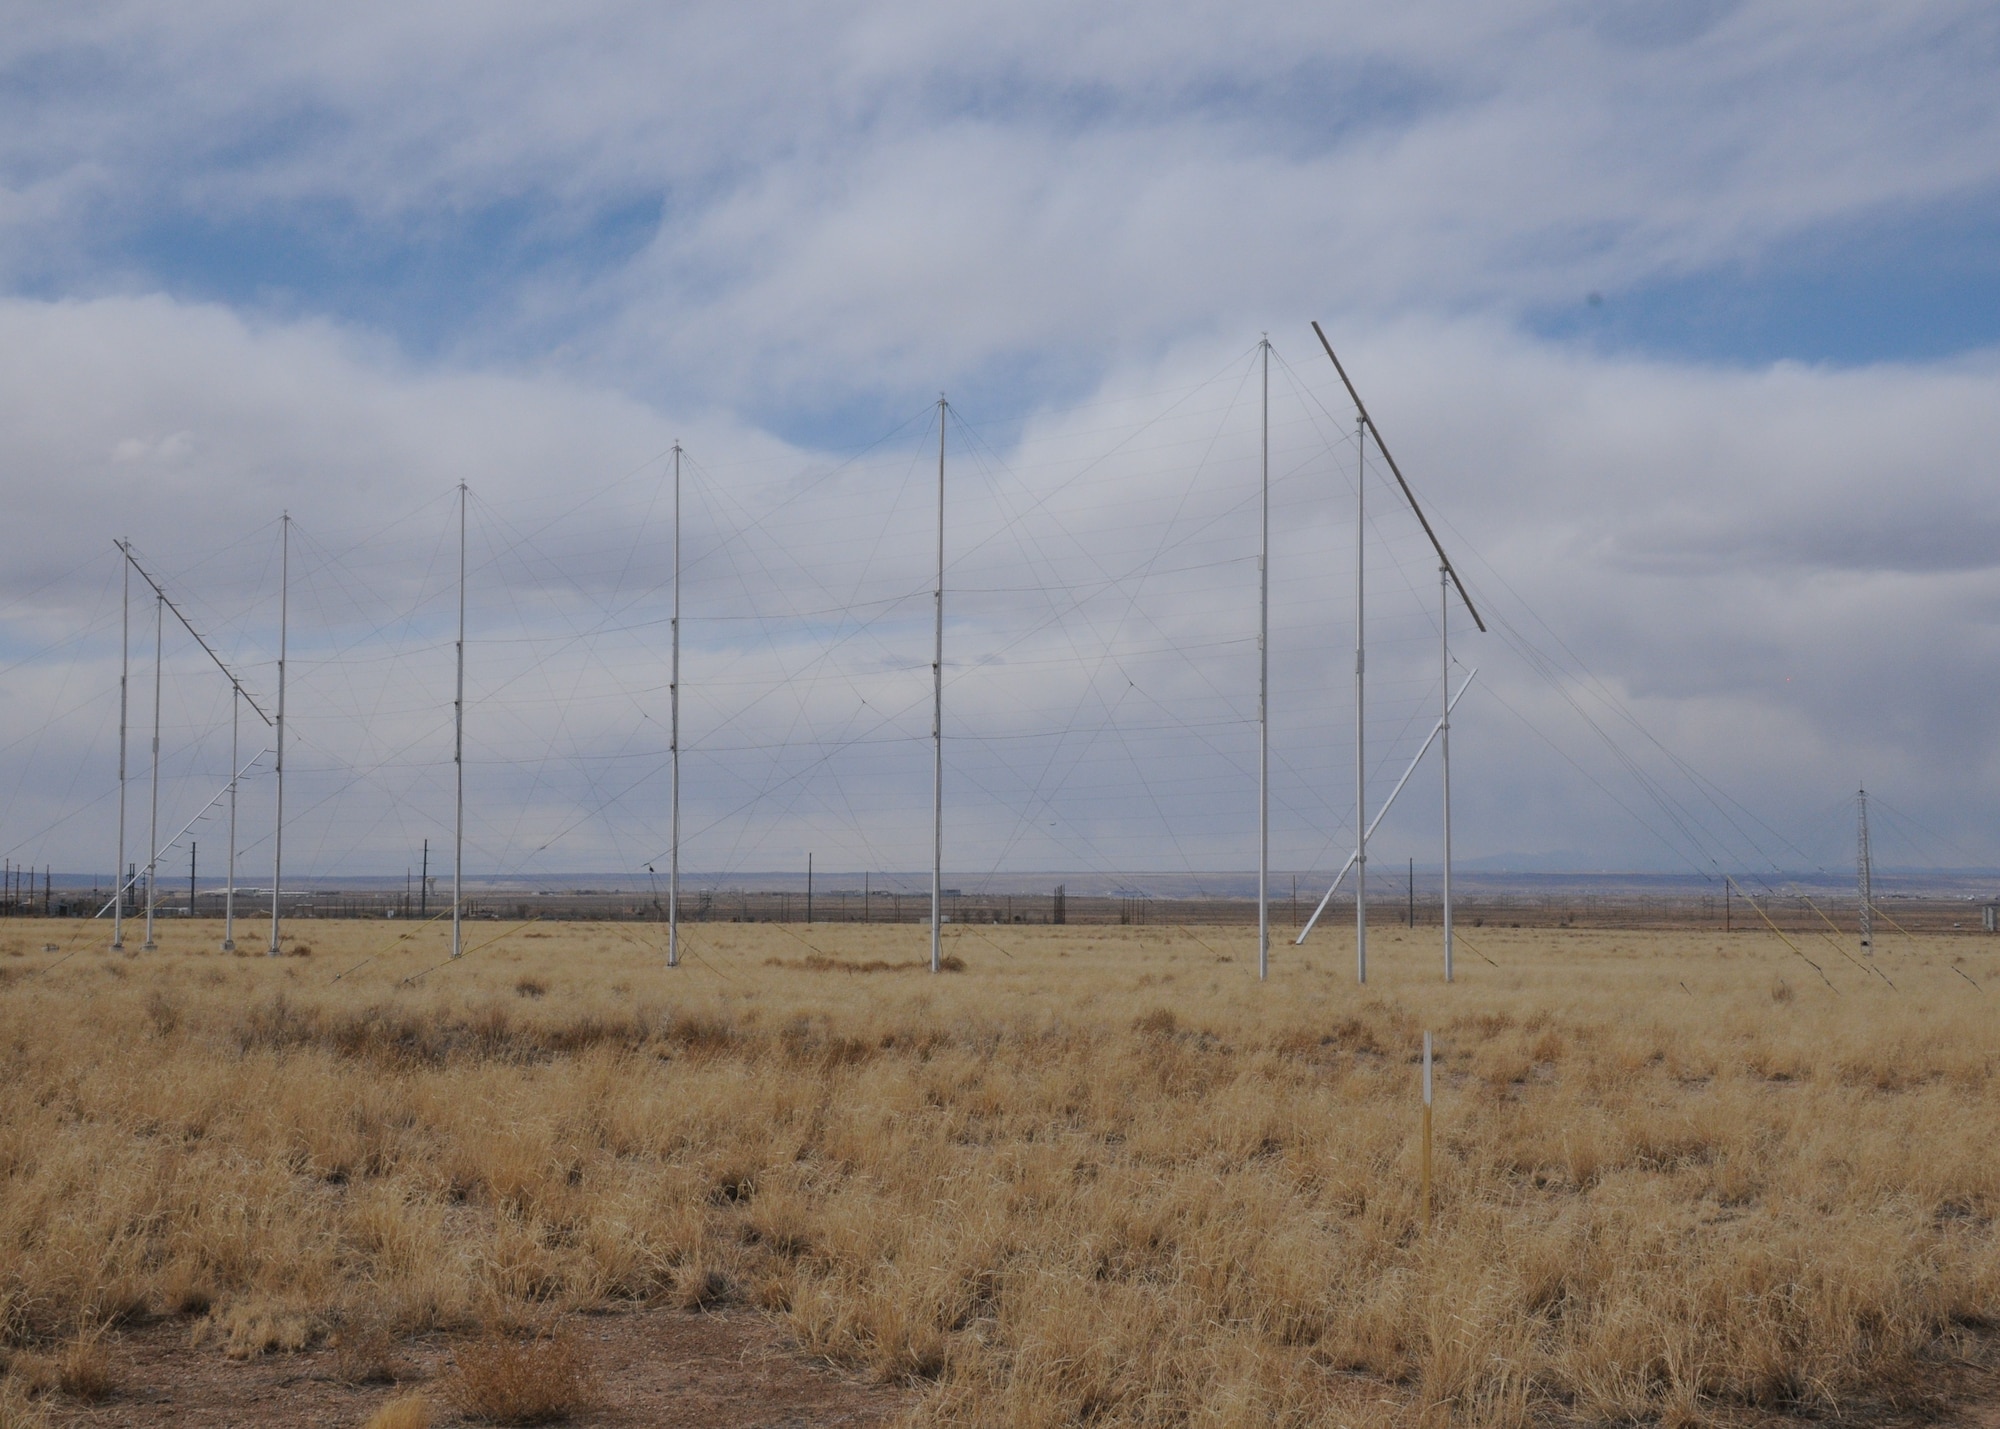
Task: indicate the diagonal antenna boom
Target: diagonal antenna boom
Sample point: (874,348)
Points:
(1408,495)
(188,625)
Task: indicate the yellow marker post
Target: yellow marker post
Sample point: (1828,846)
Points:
(1427,1131)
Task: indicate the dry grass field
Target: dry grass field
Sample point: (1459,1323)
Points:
(1100,1175)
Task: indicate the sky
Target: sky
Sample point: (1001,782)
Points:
(1683,320)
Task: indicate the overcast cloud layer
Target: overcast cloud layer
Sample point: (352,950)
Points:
(1685,320)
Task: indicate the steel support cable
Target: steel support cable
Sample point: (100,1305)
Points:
(1039,803)
(1091,465)
(191,595)
(579,639)
(1676,814)
(476,947)
(829,648)
(884,722)
(1130,585)
(1758,910)
(316,558)
(1074,844)
(1135,685)
(86,761)
(814,482)
(825,656)
(1908,825)
(1712,793)
(1834,943)
(825,661)
(850,629)
(1131,580)
(99,616)
(1133,595)
(1657,791)
(1420,600)
(30,762)
(1669,806)
(537,669)
(585,640)
(1694,860)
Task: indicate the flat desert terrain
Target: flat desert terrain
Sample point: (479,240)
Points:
(1093,1175)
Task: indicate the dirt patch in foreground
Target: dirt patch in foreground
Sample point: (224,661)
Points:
(655,1367)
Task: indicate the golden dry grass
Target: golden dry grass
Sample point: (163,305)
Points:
(504,1379)
(1100,1175)
(409,1411)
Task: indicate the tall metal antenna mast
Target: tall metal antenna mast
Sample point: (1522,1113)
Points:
(674,740)
(153,830)
(937,720)
(1360,701)
(229,888)
(278,763)
(124,682)
(1865,873)
(458,748)
(1264,684)
(1444,748)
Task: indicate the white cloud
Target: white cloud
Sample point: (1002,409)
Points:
(1720,548)
(1785,571)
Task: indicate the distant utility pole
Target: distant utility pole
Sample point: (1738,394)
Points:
(424,884)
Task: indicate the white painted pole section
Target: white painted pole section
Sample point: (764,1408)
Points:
(124,690)
(153,833)
(1264,688)
(229,891)
(1444,747)
(1427,1069)
(278,762)
(1360,704)
(937,723)
(458,750)
(1383,812)
(674,741)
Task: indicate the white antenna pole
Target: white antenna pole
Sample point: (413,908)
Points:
(674,740)
(124,683)
(1264,689)
(1866,872)
(937,721)
(1360,704)
(153,836)
(229,889)
(1444,748)
(278,764)
(458,746)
